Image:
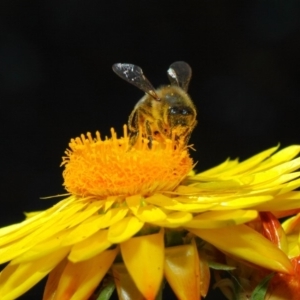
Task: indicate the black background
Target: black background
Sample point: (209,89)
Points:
(56,80)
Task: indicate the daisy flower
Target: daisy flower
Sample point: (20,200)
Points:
(143,216)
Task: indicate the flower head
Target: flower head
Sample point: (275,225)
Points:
(140,214)
(102,168)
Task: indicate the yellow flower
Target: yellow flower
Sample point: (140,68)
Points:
(138,213)
(292,229)
(287,286)
(245,281)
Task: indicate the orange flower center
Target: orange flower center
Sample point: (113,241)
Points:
(96,167)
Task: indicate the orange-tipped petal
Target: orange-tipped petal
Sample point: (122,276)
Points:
(53,280)
(144,258)
(79,280)
(182,271)
(285,213)
(285,286)
(245,243)
(273,230)
(15,280)
(204,275)
(126,287)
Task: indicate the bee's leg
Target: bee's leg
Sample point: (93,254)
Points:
(133,136)
(149,133)
(133,124)
(164,132)
(188,133)
(187,137)
(133,127)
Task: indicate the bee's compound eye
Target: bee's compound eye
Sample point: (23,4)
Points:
(184,112)
(173,110)
(179,111)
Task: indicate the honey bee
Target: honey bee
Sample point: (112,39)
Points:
(167,112)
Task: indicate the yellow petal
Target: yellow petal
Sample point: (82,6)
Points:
(288,201)
(159,200)
(282,184)
(249,163)
(19,229)
(196,199)
(47,227)
(93,224)
(42,249)
(126,287)
(216,219)
(124,229)
(246,243)
(281,156)
(286,177)
(143,257)
(271,176)
(32,213)
(15,280)
(289,186)
(109,202)
(79,280)
(204,275)
(134,202)
(291,224)
(175,219)
(150,213)
(193,207)
(244,202)
(90,247)
(92,208)
(146,213)
(226,165)
(28,225)
(182,271)
(53,280)
(293,245)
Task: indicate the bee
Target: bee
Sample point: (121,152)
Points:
(167,112)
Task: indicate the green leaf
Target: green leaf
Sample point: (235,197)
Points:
(106,291)
(260,291)
(218,266)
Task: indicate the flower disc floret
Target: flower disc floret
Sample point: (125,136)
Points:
(96,167)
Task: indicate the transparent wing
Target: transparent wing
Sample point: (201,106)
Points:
(180,74)
(134,75)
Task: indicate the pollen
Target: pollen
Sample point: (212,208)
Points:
(112,166)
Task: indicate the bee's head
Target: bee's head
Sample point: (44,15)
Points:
(179,108)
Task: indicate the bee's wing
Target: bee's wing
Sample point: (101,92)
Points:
(134,75)
(180,74)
